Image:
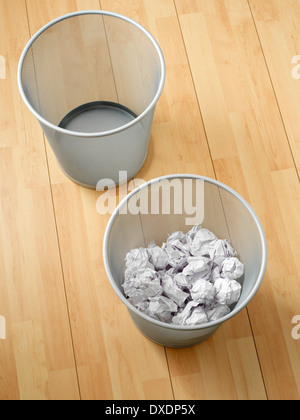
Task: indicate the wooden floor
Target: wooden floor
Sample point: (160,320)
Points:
(230,110)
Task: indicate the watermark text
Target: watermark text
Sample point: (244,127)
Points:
(2,67)
(296,329)
(296,68)
(182,196)
(2,328)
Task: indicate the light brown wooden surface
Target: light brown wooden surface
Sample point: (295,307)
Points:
(229,110)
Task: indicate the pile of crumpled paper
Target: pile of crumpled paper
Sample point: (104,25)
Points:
(191,279)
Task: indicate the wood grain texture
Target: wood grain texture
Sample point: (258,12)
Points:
(277,23)
(218,378)
(249,146)
(38,347)
(228,111)
(103,334)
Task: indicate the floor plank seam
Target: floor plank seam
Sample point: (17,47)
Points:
(274,91)
(257,353)
(195,91)
(57,236)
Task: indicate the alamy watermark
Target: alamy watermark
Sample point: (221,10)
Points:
(163,196)
(2,328)
(2,67)
(296,329)
(296,68)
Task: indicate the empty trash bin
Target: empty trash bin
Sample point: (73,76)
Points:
(92,79)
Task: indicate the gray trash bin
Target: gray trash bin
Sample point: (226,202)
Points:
(92,79)
(224,212)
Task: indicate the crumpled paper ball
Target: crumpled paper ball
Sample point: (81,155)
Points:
(191,279)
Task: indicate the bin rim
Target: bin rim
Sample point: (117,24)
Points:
(238,308)
(61,130)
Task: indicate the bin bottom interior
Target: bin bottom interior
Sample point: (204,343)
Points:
(96,117)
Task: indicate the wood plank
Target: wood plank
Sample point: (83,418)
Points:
(38,343)
(224,367)
(66,329)
(277,23)
(178,141)
(197,373)
(249,150)
(110,352)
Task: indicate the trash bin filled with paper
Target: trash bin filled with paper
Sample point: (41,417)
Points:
(92,79)
(184,253)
